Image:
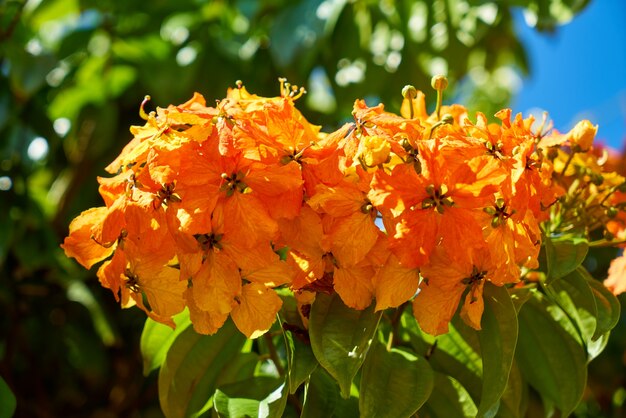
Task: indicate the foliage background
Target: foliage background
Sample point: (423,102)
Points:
(72,74)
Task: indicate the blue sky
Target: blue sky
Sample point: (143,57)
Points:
(579,72)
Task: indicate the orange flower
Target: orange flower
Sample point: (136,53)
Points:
(445,282)
(616,281)
(438,204)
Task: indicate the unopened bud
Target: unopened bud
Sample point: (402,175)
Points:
(597,179)
(611,212)
(582,135)
(409,92)
(439,82)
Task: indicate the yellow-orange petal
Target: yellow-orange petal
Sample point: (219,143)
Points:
(80,245)
(435,305)
(394,284)
(257,309)
(203,322)
(354,285)
(474,305)
(616,281)
(216,284)
(247,222)
(162,288)
(352,238)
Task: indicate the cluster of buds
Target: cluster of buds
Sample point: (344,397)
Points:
(214,208)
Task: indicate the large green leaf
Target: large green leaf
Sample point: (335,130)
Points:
(449,399)
(322,399)
(593,309)
(514,401)
(192,367)
(341,337)
(7,400)
(574,296)
(300,359)
(498,339)
(157,338)
(551,357)
(607,304)
(394,383)
(260,396)
(563,255)
(450,354)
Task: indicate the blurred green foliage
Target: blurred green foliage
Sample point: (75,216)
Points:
(72,75)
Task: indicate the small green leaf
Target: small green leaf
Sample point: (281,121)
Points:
(322,399)
(340,337)
(192,367)
(448,399)
(549,355)
(157,338)
(7,400)
(261,396)
(564,255)
(394,383)
(498,339)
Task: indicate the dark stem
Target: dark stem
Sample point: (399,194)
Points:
(274,354)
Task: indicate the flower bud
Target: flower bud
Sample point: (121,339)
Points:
(409,92)
(582,135)
(439,82)
(597,179)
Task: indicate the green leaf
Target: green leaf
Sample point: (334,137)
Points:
(513,403)
(7,400)
(192,367)
(450,353)
(459,358)
(607,304)
(563,255)
(340,337)
(322,399)
(261,396)
(300,359)
(448,399)
(394,383)
(498,339)
(520,295)
(574,296)
(157,338)
(549,355)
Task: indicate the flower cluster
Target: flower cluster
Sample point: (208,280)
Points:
(214,208)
